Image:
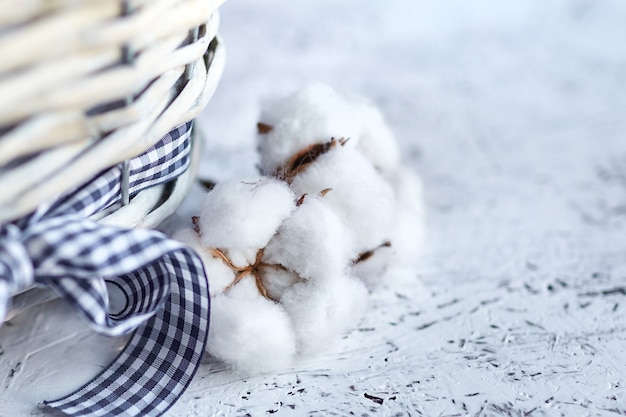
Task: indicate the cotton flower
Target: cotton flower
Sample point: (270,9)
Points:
(266,301)
(289,255)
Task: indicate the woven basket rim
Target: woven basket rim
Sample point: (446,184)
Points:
(169,83)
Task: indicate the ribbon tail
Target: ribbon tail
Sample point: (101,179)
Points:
(162,356)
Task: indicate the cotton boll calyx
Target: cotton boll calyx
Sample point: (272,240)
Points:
(321,312)
(360,196)
(252,334)
(244,214)
(216,264)
(312,115)
(313,241)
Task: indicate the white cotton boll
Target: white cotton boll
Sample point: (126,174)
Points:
(312,115)
(218,273)
(313,242)
(362,199)
(252,334)
(322,312)
(244,214)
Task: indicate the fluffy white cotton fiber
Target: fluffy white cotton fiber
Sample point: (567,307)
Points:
(277,280)
(244,214)
(312,115)
(219,274)
(322,311)
(360,196)
(318,113)
(289,255)
(407,232)
(313,242)
(374,194)
(375,139)
(254,334)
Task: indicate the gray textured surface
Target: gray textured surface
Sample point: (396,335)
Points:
(515,116)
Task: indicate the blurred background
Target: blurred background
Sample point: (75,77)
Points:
(445,68)
(511,110)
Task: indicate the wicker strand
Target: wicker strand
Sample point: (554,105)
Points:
(59,124)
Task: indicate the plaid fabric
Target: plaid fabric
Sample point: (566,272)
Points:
(164,161)
(164,283)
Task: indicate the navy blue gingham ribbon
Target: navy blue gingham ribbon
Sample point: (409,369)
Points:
(164,283)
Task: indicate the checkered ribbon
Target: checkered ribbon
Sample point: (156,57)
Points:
(164,283)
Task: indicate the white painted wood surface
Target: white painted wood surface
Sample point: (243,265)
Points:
(515,117)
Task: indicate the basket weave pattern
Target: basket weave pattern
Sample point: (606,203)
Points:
(86,84)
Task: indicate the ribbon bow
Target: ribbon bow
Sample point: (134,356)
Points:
(163,282)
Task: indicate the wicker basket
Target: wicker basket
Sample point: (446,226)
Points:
(86,84)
